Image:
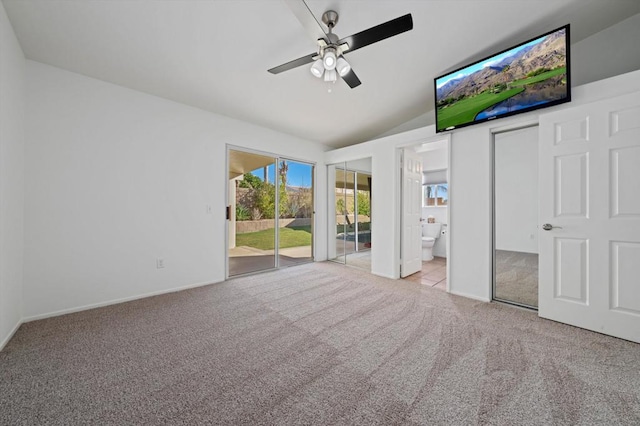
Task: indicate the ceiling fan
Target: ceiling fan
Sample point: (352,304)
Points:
(328,61)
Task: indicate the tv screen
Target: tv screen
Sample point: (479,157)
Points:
(534,74)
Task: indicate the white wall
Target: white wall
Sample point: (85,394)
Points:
(470,188)
(385,193)
(116,179)
(361,165)
(12,64)
(470,213)
(438,213)
(437,159)
(516,190)
(610,52)
(423,120)
(471,185)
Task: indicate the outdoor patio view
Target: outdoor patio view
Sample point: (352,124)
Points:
(278,188)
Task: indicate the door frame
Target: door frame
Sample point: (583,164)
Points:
(231,147)
(399,150)
(492,149)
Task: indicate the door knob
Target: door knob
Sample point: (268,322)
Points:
(549,227)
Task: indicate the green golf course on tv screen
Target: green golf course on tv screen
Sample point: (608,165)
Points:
(534,74)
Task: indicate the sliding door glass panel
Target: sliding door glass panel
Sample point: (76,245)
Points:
(295,239)
(342,213)
(350,215)
(358,234)
(252,212)
(331,212)
(516,217)
(363,209)
(338,212)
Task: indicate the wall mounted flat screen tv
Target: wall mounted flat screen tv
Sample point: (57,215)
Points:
(534,74)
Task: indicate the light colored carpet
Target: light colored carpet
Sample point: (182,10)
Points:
(361,259)
(517,277)
(239,265)
(315,344)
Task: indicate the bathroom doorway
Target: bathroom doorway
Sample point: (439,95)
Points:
(434,213)
(515,207)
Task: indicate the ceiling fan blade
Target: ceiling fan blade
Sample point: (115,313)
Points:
(378,33)
(293,64)
(307,19)
(352,79)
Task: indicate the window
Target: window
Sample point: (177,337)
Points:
(435,195)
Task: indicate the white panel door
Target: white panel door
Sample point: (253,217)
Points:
(590,194)
(411,250)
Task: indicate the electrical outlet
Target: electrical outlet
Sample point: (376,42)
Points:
(532,236)
(209,209)
(160,263)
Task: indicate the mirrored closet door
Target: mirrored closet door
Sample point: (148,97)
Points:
(516,217)
(350,213)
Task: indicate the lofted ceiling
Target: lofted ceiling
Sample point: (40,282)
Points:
(214,54)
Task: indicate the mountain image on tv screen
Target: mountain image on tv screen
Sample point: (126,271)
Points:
(529,76)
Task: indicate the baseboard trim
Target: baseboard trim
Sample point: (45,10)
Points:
(10,335)
(470,296)
(111,302)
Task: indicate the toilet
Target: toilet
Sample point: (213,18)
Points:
(430,232)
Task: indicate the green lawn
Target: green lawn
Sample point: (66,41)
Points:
(539,78)
(466,110)
(264,240)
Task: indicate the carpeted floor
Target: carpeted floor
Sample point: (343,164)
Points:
(517,277)
(239,265)
(360,259)
(315,344)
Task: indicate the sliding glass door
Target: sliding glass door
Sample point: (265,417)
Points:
(296,213)
(251,212)
(270,212)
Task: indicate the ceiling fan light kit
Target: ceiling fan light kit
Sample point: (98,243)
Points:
(329,58)
(329,61)
(330,66)
(317,68)
(343,66)
(330,75)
